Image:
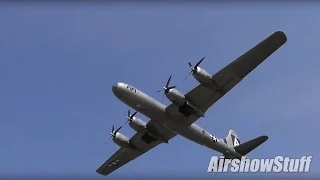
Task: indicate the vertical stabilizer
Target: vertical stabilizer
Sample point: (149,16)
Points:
(232,139)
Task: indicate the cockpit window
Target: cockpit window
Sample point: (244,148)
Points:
(131,88)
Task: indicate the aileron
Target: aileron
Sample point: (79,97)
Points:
(243,65)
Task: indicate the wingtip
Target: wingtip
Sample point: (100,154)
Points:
(264,137)
(281,35)
(101,173)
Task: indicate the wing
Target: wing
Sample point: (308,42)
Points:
(123,156)
(228,77)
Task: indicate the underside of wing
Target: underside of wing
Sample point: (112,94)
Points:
(123,155)
(118,159)
(228,77)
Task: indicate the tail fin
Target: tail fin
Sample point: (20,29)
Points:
(248,146)
(233,140)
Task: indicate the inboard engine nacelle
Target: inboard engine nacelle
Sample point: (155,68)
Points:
(185,107)
(176,97)
(140,126)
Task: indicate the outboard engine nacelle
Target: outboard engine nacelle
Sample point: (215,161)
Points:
(140,126)
(122,141)
(203,77)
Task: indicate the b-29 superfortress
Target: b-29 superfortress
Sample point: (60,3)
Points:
(180,116)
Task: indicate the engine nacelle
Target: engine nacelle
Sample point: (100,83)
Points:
(138,125)
(203,77)
(176,97)
(184,106)
(122,141)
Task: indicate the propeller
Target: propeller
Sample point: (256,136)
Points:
(113,132)
(166,88)
(193,69)
(129,117)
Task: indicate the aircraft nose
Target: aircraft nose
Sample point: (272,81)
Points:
(114,87)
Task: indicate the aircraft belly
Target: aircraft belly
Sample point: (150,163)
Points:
(199,136)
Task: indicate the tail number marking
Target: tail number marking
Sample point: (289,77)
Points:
(236,142)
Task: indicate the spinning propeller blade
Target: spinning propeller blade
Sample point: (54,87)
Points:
(129,117)
(193,69)
(166,88)
(113,132)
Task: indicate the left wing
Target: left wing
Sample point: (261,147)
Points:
(123,155)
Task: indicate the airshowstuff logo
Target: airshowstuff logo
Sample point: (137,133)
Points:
(277,164)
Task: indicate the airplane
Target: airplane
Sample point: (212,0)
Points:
(179,117)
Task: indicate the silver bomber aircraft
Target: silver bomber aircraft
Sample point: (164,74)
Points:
(180,116)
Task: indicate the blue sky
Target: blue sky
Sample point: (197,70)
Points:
(59,61)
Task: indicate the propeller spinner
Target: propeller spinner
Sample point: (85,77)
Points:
(166,88)
(193,69)
(114,132)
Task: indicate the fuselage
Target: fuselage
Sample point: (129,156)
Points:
(155,110)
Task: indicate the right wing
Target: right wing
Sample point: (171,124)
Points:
(123,155)
(228,77)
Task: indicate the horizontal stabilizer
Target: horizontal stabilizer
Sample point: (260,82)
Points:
(248,146)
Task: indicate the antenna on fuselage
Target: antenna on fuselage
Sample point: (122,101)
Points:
(167,88)
(194,69)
